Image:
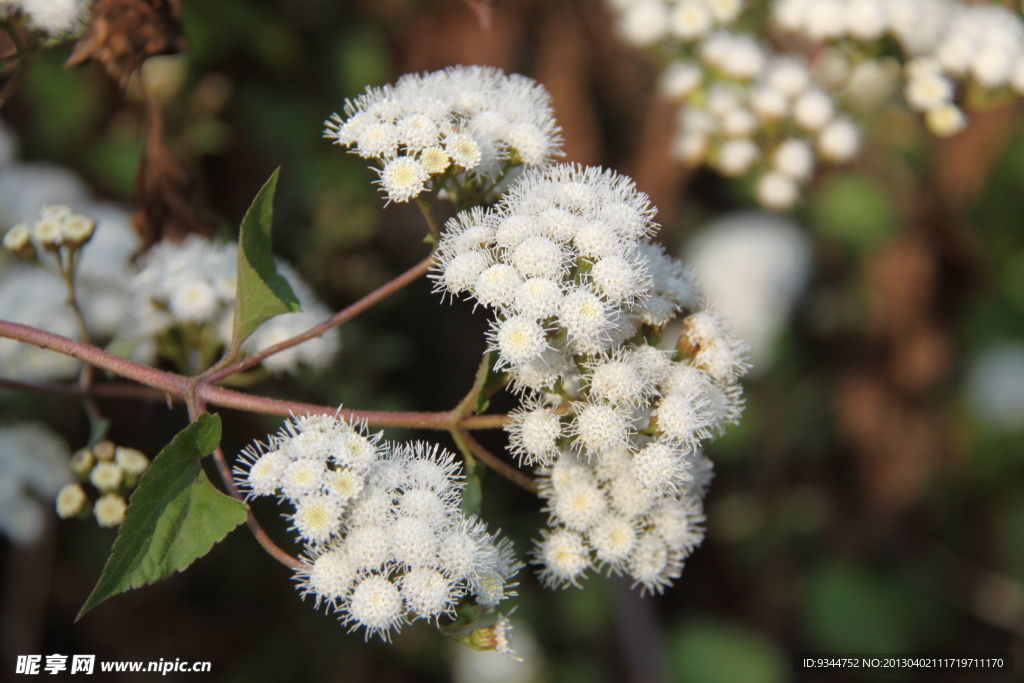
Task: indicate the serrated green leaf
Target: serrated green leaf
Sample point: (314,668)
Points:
(175,516)
(262,292)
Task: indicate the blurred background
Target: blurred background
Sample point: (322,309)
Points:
(871,500)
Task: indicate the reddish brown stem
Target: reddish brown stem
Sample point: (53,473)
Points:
(179,385)
(158,379)
(111,390)
(338,318)
(261,536)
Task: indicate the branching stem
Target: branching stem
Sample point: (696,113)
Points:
(218,373)
(181,386)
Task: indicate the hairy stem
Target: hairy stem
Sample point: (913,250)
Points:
(181,386)
(195,407)
(92,410)
(262,538)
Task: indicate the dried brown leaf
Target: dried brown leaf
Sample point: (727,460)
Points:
(123,33)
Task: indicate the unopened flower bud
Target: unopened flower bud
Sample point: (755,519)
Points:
(55,212)
(133,462)
(493,638)
(109,510)
(82,462)
(18,240)
(106,476)
(78,230)
(48,233)
(104,450)
(70,501)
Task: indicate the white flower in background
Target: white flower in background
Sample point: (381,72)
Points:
(739,96)
(53,17)
(737,121)
(386,541)
(194,282)
(996,386)
(25,188)
(33,297)
(33,469)
(460,127)
(102,275)
(645,22)
(949,47)
(754,267)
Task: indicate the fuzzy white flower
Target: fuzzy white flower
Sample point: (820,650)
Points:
(518,340)
(794,158)
(194,282)
(403,178)
(690,19)
(563,555)
(54,17)
(945,120)
(600,428)
(613,538)
(376,605)
(534,432)
(736,157)
(680,79)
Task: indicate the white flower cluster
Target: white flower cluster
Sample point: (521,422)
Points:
(33,297)
(33,467)
(615,423)
(745,109)
(192,285)
(916,24)
(646,22)
(113,471)
(54,17)
(386,541)
(461,130)
(976,49)
(768,117)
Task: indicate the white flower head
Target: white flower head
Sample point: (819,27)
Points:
(534,432)
(403,178)
(563,557)
(599,428)
(375,604)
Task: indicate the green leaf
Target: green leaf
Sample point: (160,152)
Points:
(175,516)
(262,292)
